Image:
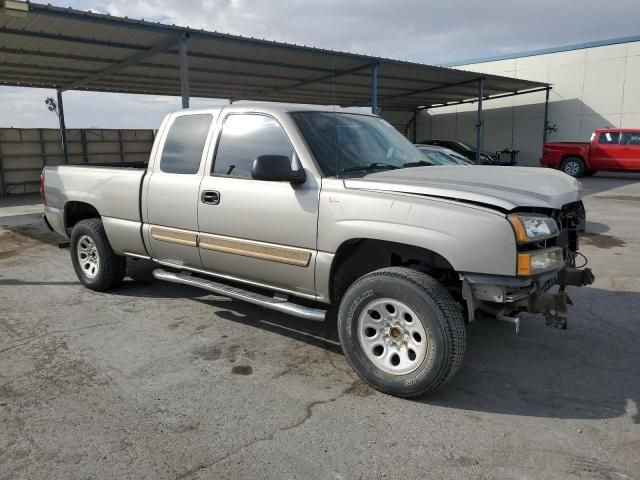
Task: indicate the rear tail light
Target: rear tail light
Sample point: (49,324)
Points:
(42,195)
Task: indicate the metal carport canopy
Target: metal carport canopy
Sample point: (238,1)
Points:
(66,49)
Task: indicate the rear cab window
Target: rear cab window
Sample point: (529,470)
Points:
(609,138)
(185,141)
(631,138)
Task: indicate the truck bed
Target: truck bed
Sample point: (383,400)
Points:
(553,154)
(112,189)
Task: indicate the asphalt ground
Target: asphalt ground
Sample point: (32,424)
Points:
(159,381)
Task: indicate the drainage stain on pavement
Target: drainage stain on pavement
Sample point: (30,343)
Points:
(602,241)
(208,353)
(8,253)
(621,198)
(242,370)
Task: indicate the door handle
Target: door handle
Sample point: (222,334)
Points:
(210,197)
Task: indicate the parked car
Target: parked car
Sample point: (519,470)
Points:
(443,156)
(610,150)
(296,209)
(465,150)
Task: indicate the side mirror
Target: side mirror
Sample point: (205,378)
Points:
(276,168)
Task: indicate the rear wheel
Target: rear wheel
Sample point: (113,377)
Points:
(96,264)
(401,331)
(573,166)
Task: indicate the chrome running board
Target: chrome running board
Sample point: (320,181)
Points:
(279,302)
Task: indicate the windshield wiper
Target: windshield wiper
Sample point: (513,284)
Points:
(369,168)
(419,163)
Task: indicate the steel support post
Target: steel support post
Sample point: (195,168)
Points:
(479,121)
(414,121)
(184,72)
(374,88)
(83,139)
(63,128)
(546,116)
(2,187)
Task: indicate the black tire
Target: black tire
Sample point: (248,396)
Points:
(573,166)
(110,269)
(438,313)
(590,173)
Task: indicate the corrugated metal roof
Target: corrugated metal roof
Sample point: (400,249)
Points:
(53,47)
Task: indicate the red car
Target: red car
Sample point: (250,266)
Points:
(610,149)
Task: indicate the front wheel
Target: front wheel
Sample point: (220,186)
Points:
(573,166)
(401,331)
(95,263)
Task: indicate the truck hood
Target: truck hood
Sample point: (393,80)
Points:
(506,188)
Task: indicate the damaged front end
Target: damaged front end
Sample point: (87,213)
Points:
(529,291)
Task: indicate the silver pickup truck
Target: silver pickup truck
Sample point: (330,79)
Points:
(297,208)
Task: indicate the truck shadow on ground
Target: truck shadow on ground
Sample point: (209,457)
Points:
(589,371)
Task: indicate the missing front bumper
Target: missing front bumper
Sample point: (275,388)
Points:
(507,295)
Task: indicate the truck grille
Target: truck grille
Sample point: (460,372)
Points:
(571,220)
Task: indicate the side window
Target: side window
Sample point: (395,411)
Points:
(631,138)
(244,138)
(609,138)
(185,141)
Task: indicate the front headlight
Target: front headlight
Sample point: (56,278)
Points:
(539,261)
(533,228)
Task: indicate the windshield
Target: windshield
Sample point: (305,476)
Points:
(452,153)
(439,158)
(456,155)
(351,144)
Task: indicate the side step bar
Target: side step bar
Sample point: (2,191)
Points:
(278,302)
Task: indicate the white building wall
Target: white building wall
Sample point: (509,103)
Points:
(592,88)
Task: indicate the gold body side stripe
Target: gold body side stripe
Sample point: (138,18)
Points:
(247,248)
(172,235)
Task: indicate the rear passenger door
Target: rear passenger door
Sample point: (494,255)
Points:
(252,230)
(606,152)
(630,154)
(171,223)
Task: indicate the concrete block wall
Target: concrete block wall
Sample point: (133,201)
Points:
(593,88)
(24,151)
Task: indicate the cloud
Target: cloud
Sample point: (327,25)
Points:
(422,31)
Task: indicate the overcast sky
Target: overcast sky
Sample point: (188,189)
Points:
(417,30)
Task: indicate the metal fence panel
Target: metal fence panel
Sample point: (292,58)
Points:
(25,151)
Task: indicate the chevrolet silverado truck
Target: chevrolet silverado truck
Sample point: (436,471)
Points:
(298,208)
(609,150)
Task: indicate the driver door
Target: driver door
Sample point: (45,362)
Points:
(263,232)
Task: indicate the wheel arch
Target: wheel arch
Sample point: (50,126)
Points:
(75,211)
(358,256)
(572,155)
